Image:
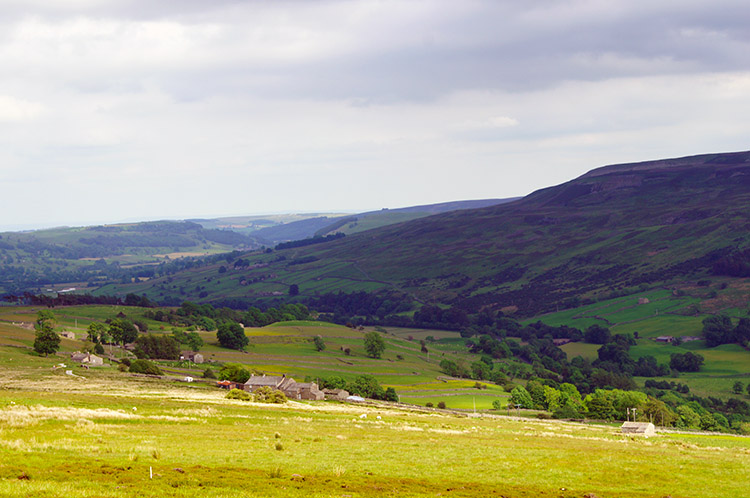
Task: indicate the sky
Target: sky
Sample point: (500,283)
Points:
(126,110)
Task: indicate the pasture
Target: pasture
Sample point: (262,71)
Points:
(109,434)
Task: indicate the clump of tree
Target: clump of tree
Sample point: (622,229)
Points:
(145,367)
(235,372)
(206,317)
(231,335)
(718,330)
(239,394)
(190,339)
(266,394)
(46,340)
(153,347)
(688,362)
(364,385)
(122,331)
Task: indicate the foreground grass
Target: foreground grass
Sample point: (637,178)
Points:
(103,435)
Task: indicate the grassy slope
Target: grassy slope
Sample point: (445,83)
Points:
(102,435)
(287,348)
(586,238)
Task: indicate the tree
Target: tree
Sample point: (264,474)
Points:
(122,331)
(520,396)
(96,332)
(596,334)
(294,290)
(319,344)
(234,372)
(145,367)
(599,405)
(47,341)
(658,412)
(390,395)
(688,362)
(718,330)
(366,386)
(231,335)
(738,387)
(153,346)
(687,418)
(374,344)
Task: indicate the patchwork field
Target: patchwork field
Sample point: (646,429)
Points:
(111,434)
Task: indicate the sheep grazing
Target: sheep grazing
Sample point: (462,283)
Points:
(364,415)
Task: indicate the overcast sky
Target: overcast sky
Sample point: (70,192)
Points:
(140,109)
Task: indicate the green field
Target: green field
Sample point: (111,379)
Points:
(109,434)
(284,348)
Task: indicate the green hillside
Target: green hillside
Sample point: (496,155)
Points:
(610,232)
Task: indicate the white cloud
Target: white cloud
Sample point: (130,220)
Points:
(14,109)
(204,108)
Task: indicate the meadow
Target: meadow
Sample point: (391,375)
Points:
(104,433)
(111,434)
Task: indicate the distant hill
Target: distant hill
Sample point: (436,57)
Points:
(612,230)
(295,230)
(376,219)
(84,258)
(90,255)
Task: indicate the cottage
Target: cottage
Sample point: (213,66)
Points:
(287,385)
(639,428)
(664,338)
(87,359)
(309,390)
(336,394)
(68,334)
(643,300)
(191,356)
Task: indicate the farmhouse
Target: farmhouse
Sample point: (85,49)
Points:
(337,394)
(287,385)
(191,356)
(87,359)
(664,338)
(68,334)
(640,428)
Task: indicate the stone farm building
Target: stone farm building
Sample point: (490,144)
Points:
(291,388)
(642,428)
(87,359)
(337,394)
(191,356)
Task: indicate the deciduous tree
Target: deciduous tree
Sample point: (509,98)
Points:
(374,344)
(46,341)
